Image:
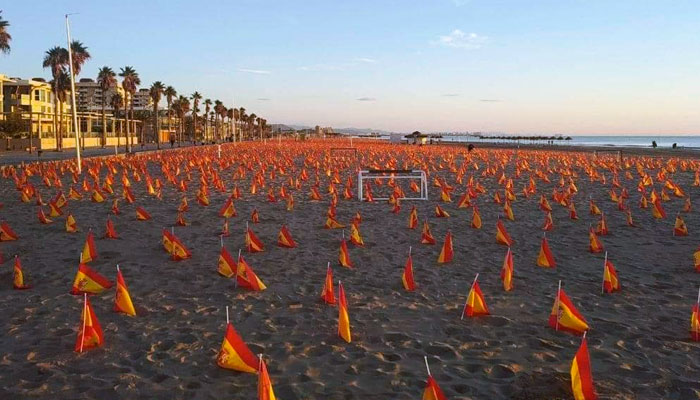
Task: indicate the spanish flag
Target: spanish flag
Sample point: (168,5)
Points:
(110,232)
(440,213)
(695,323)
(581,377)
(255,216)
(343,316)
(246,277)
(611,283)
(355,236)
(71,225)
(183,205)
(179,251)
(122,299)
(595,245)
(548,222)
(680,228)
(657,210)
(407,277)
(235,354)
(284,238)
(6,233)
(327,294)
(696,260)
(508,211)
(446,253)
(572,212)
(42,217)
(602,228)
(426,236)
(344,255)
(594,208)
(544,204)
(228,210)
(565,316)
(18,279)
(332,223)
(476,218)
(507,271)
(545,257)
(476,304)
(413,218)
(88,280)
(252,243)
(115,207)
(226,265)
(54,210)
(265,391)
(89,250)
(502,235)
(142,215)
(168,239)
(90,334)
(97,196)
(180,220)
(432,389)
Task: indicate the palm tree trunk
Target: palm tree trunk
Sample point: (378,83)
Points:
(155,125)
(104,124)
(128,128)
(55,118)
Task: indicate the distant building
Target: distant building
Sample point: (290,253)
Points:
(142,100)
(33,100)
(90,96)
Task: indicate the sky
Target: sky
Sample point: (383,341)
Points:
(519,66)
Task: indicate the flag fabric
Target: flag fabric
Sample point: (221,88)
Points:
(657,210)
(548,222)
(426,236)
(581,376)
(265,391)
(327,294)
(142,215)
(343,316)
(680,228)
(595,245)
(507,271)
(565,316)
(110,232)
(284,238)
(42,217)
(440,213)
(447,252)
(355,236)
(228,210)
(695,323)
(502,235)
(18,278)
(246,277)
(6,233)
(90,333)
(252,243)
(407,276)
(89,250)
(332,223)
(611,283)
(432,390)
(344,255)
(696,260)
(476,218)
(545,258)
(476,304)
(235,354)
(255,216)
(88,280)
(71,225)
(226,265)
(122,299)
(413,218)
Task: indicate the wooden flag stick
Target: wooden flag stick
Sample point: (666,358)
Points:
(698,296)
(82,336)
(227,320)
(409,250)
(557,307)
(117,267)
(426,365)
(221,240)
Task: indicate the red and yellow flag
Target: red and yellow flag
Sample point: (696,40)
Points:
(440,213)
(90,332)
(611,283)
(595,245)
(545,258)
(265,391)
(581,376)
(476,304)
(122,299)
(142,215)
(502,235)
(413,218)
(344,255)
(228,210)
(426,236)
(246,277)
(657,210)
(696,260)
(88,280)
(226,265)
(355,236)
(432,390)
(110,232)
(407,276)
(476,218)
(284,238)
(42,217)
(680,228)
(6,233)
(18,279)
(565,316)
(252,243)
(327,294)
(71,224)
(695,323)
(343,316)
(235,354)
(507,271)
(332,223)
(89,250)
(447,252)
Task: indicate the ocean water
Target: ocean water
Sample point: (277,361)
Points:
(619,140)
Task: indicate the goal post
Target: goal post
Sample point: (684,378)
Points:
(396,174)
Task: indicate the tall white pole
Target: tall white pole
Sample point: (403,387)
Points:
(72,95)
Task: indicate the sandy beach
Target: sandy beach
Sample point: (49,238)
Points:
(639,343)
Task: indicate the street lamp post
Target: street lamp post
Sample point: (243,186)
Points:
(72,95)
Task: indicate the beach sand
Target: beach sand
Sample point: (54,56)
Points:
(639,342)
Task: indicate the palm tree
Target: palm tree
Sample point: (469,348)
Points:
(230,114)
(243,118)
(196,97)
(217,111)
(106,78)
(156,92)
(251,124)
(183,109)
(207,107)
(80,55)
(61,84)
(5,37)
(56,58)
(170,94)
(130,80)
(236,117)
(116,102)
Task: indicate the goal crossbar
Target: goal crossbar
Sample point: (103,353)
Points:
(367,174)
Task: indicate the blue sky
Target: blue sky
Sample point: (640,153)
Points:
(549,66)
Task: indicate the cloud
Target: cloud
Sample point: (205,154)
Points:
(366,99)
(450,95)
(366,60)
(254,71)
(460,40)
(490,100)
(263,99)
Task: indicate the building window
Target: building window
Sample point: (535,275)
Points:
(37,95)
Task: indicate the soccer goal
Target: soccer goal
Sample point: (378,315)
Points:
(396,174)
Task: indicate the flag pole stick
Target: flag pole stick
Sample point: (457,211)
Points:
(557,307)
(117,267)
(82,336)
(409,250)
(605,263)
(221,240)
(426,365)
(238,261)
(227,320)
